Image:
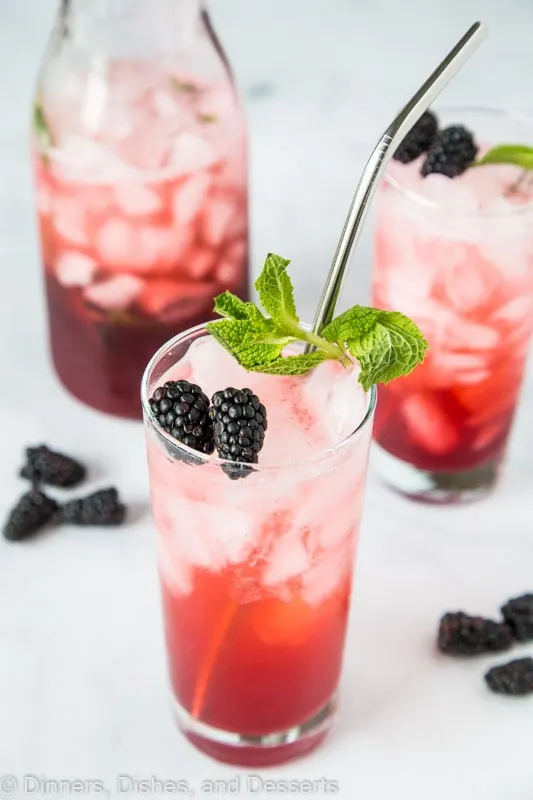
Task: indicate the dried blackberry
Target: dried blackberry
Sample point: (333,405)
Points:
(419,139)
(239,424)
(514,678)
(518,613)
(31,513)
(463,635)
(47,466)
(100,508)
(181,409)
(451,153)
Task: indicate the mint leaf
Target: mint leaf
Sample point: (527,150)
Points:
(276,293)
(207,119)
(386,344)
(519,154)
(41,128)
(243,342)
(293,365)
(183,87)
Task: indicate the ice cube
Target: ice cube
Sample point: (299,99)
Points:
(327,510)
(70,221)
(162,247)
(175,572)
(428,424)
(149,145)
(75,269)
(213,367)
(486,436)
(233,529)
(517,310)
(470,281)
(201,263)
(137,199)
(173,299)
(81,158)
(335,398)
(287,559)
(463,334)
(328,573)
(228,272)
(192,153)
(448,194)
(217,219)
(44,199)
(143,248)
(116,244)
(116,293)
(206,535)
(237,251)
(189,198)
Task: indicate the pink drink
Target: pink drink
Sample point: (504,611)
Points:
(457,257)
(256,573)
(142,198)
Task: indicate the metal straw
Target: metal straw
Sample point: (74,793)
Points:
(379,159)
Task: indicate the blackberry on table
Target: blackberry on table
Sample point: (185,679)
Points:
(181,409)
(239,424)
(100,508)
(463,635)
(451,153)
(418,140)
(518,613)
(514,678)
(55,469)
(31,513)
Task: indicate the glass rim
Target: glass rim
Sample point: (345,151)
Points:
(481,214)
(202,458)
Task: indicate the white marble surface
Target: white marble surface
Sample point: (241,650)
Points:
(82,675)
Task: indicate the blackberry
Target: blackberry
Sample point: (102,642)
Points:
(31,513)
(518,614)
(100,508)
(181,409)
(239,423)
(419,139)
(514,678)
(46,466)
(451,153)
(463,635)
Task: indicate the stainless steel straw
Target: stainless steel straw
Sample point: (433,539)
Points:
(379,159)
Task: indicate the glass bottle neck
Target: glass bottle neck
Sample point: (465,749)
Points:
(126,24)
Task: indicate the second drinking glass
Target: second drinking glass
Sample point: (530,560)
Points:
(456,255)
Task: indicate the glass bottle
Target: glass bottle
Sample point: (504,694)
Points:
(139,149)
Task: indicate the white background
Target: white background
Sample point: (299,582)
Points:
(82,674)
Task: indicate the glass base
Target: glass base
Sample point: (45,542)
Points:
(462,486)
(256,751)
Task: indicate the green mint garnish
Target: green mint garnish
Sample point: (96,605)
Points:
(386,344)
(518,154)
(41,128)
(207,119)
(183,87)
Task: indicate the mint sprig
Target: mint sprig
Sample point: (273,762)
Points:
(386,344)
(520,155)
(41,129)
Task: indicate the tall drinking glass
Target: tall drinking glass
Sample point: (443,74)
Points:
(456,255)
(256,573)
